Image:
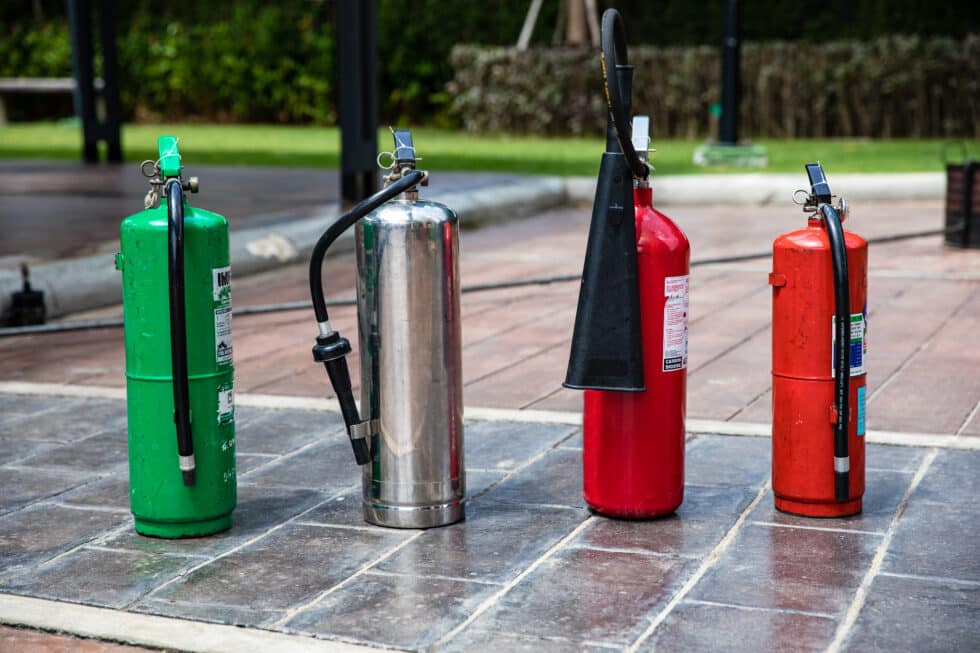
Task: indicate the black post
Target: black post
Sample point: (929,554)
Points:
(730,91)
(358,98)
(82,54)
(112,126)
(80,23)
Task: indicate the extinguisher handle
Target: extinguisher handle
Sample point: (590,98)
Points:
(614,57)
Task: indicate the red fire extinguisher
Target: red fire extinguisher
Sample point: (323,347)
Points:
(819,321)
(629,346)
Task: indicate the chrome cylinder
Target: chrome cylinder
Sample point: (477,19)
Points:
(411,372)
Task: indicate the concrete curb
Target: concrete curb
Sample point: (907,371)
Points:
(758,189)
(79,284)
(74,285)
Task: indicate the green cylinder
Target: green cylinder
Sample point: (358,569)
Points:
(161,504)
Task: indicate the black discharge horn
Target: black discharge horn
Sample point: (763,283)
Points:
(606,343)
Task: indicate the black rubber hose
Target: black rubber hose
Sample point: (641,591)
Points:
(178,330)
(613,55)
(842,325)
(341,225)
(332,349)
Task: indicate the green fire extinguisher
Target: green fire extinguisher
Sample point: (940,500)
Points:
(177,312)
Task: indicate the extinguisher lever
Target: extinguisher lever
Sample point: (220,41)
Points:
(819,186)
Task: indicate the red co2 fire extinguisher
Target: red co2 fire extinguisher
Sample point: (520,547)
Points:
(819,320)
(629,345)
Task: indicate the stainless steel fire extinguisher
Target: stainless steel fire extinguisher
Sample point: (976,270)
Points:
(408,433)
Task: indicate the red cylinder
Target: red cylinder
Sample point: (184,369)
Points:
(633,442)
(803,412)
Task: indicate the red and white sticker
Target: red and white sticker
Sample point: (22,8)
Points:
(675,323)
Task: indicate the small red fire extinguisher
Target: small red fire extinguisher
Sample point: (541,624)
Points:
(629,346)
(819,321)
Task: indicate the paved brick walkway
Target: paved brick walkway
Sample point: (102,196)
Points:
(721,580)
(924,304)
(530,568)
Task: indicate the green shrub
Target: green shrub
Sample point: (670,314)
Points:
(893,86)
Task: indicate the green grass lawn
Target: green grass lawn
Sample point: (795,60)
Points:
(454,150)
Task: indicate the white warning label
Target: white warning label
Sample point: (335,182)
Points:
(675,323)
(226,403)
(221,288)
(222,334)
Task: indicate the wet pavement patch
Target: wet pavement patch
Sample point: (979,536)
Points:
(530,569)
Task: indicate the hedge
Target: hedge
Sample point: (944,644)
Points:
(896,86)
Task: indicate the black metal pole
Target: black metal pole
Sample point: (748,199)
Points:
(80,26)
(730,91)
(357,91)
(83,70)
(110,129)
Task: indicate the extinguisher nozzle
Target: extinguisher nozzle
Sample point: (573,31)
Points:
(190,478)
(842,483)
(606,351)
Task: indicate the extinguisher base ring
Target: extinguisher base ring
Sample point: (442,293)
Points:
(826,510)
(431,516)
(172,530)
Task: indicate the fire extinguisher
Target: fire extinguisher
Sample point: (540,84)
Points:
(629,345)
(408,432)
(175,275)
(819,320)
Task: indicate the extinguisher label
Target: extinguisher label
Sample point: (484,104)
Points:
(222,334)
(859,345)
(226,403)
(221,288)
(221,293)
(675,323)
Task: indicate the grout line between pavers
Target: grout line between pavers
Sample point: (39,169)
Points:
(935,579)
(695,426)
(804,527)
(922,346)
(968,419)
(640,552)
(755,608)
(225,554)
(283,456)
(401,574)
(755,290)
(730,349)
(489,602)
(511,364)
(169,554)
(281,621)
(100,537)
(850,617)
(708,562)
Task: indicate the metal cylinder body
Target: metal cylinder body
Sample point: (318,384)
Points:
(633,442)
(161,504)
(411,372)
(803,372)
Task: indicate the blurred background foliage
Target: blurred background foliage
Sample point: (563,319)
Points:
(891,86)
(260,61)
